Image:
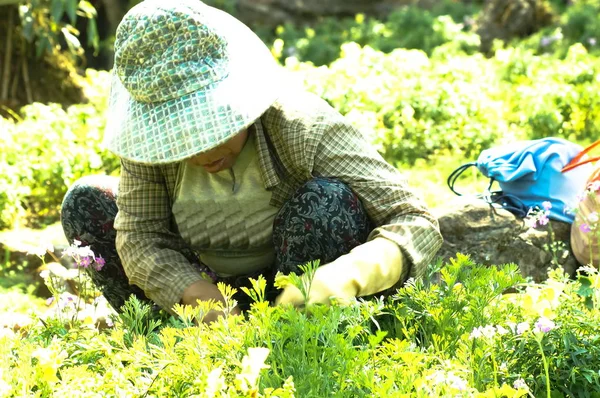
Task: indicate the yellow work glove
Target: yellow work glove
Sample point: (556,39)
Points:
(369,268)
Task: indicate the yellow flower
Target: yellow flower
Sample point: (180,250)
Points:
(49,360)
(215,382)
(542,301)
(252,364)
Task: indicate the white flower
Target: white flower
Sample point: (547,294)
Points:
(437,377)
(252,364)
(489,331)
(456,382)
(522,327)
(531,222)
(593,217)
(476,333)
(512,326)
(544,325)
(501,330)
(520,384)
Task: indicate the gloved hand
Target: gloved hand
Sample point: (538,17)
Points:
(369,268)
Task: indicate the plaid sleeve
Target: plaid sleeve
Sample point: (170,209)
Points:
(344,153)
(150,251)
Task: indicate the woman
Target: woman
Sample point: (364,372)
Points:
(228,173)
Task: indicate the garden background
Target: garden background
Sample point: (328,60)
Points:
(431,83)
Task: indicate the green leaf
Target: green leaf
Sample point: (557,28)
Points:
(72,10)
(41,46)
(93,39)
(57,9)
(72,40)
(26,23)
(87,8)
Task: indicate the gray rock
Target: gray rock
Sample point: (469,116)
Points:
(493,236)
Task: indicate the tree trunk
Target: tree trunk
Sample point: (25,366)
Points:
(114,13)
(7,56)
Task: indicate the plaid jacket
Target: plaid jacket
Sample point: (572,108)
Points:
(299,137)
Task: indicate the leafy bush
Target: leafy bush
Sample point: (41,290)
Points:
(465,335)
(409,27)
(418,107)
(582,23)
(45,152)
(579,24)
(414,108)
(553,97)
(43,22)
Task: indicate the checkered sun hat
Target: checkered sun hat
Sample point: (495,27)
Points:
(187,78)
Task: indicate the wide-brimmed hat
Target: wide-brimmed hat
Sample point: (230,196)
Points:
(187,78)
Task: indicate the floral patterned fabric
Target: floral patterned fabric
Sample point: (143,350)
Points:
(323,220)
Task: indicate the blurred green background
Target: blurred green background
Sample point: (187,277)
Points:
(431,83)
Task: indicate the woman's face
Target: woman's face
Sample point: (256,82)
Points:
(221,157)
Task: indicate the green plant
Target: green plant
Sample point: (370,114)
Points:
(43,23)
(409,27)
(47,150)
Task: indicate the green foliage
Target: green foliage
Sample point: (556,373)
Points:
(49,23)
(579,24)
(434,314)
(418,107)
(413,107)
(408,27)
(582,24)
(45,152)
(464,334)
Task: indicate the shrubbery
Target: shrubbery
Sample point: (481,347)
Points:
(408,27)
(46,150)
(579,23)
(418,107)
(463,336)
(414,104)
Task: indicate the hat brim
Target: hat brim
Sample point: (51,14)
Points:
(173,130)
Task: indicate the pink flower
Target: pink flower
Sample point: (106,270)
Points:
(531,222)
(543,219)
(100,263)
(546,205)
(85,262)
(584,228)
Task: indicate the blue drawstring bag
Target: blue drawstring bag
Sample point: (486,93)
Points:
(529,173)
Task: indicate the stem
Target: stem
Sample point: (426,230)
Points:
(7,58)
(495,365)
(553,248)
(26,80)
(53,256)
(15,84)
(545,362)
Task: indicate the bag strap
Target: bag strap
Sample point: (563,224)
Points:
(507,201)
(576,161)
(453,177)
